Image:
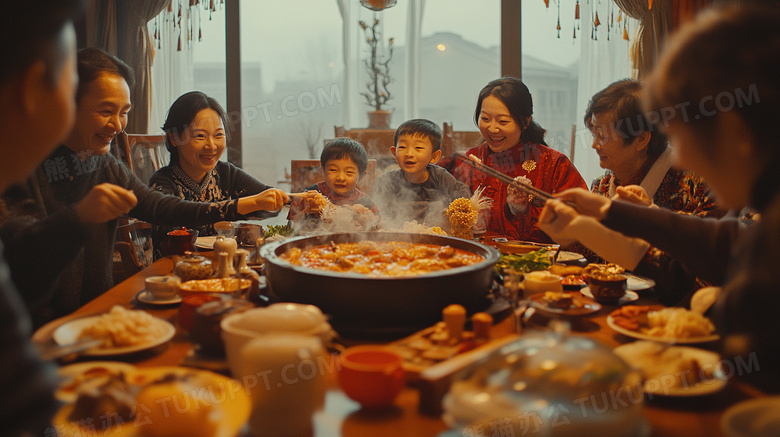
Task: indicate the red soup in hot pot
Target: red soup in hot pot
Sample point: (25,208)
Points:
(381,258)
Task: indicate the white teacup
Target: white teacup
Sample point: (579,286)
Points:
(162,287)
(539,282)
(285,376)
(279,318)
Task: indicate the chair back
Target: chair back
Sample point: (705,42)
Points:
(134,247)
(458,141)
(376,141)
(143,154)
(307,172)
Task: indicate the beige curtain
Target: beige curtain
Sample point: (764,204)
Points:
(120,28)
(654,26)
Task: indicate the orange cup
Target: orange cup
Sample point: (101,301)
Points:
(371,375)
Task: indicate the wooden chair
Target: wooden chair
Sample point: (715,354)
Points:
(133,249)
(143,154)
(458,141)
(307,172)
(376,141)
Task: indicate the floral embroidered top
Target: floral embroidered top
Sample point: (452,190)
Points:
(547,169)
(679,191)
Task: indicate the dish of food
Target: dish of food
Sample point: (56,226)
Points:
(381,258)
(572,304)
(521,247)
(674,370)
(147,297)
(206,242)
(124,331)
(75,377)
(158,402)
(630,296)
(656,323)
(752,418)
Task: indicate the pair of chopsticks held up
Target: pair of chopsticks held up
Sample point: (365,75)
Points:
(525,188)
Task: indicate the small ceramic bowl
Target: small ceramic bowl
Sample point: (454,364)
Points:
(162,287)
(607,288)
(371,375)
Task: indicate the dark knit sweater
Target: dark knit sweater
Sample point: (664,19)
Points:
(57,262)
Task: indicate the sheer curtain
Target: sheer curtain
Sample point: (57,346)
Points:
(406,103)
(602,62)
(120,28)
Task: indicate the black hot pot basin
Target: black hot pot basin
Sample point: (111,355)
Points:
(359,304)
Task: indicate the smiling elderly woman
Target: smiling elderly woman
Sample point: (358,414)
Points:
(635,153)
(196,137)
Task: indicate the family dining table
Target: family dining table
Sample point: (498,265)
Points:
(340,416)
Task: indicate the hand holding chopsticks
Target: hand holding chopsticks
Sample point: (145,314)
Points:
(525,188)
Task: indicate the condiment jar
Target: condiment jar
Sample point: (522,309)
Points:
(206,332)
(246,272)
(193,267)
(228,245)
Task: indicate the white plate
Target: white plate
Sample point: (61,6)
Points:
(638,335)
(205,242)
(69,332)
(564,256)
(754,417)
(660,375)
(629,297)
(74,376)
(147,297)
(638,283)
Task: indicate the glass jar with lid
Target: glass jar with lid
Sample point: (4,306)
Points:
(552,384)
(193,267)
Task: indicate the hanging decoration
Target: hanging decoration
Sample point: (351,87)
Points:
(376,5)
(649,4)
(625,30)
(612,24)
(182,22)
(547,4)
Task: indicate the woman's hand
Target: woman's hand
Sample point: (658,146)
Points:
(271,199)
(634,194)
(105,202)
(517,200)
(587,203)
(554,219)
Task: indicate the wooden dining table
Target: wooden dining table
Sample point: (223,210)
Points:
(340,416)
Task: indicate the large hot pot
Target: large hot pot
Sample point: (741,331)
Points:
(359,304)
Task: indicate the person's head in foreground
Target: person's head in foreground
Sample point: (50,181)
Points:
(38,81)
(417,143)
(195,133)
(623,137)
(717,87)
(718,111)
(102,101)
(343,161)
(503,115)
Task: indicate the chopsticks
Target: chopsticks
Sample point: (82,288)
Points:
(527,189)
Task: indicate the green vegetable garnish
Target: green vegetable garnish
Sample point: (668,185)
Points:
(283,230)
(527,262)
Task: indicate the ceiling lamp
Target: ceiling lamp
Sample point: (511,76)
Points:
(378,5)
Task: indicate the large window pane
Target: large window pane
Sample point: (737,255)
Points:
(460,53)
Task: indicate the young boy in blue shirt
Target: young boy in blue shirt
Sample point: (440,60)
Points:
(343,161)
(419,190)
